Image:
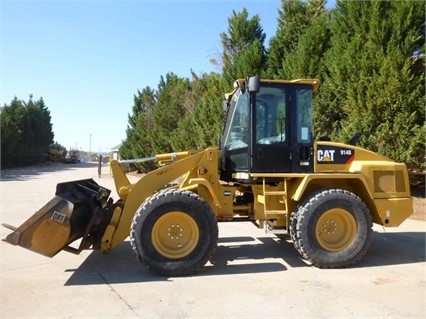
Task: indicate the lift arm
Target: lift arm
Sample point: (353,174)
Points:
(133,195)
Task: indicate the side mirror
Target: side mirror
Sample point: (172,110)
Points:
(254,84)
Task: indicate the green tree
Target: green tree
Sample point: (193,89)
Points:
(201,125)
(11,129)
(37,127)
(371,84)
(136,144)
(209,114)
(243,50)
(306,60)
(26,132)
(169,110)
(294,19)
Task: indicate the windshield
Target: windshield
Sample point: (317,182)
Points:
(236,129)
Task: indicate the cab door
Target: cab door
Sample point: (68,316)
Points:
(282,129)
(271,132)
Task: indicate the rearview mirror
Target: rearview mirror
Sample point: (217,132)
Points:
(254,84)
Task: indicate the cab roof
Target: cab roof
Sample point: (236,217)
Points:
(315,83)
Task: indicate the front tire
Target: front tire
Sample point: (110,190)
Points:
(174,233)
(332,228)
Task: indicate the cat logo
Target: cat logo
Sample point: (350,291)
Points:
(325,155)
(335,155)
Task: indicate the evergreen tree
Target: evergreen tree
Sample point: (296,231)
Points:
(243,50)
(11,130)
(371,85)
(26,132)
(210,113)
(201,125)
(306,60)
(294,18)
(168,112)
(136,144)
(37,128)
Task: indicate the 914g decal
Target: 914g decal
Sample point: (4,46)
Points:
(334,155)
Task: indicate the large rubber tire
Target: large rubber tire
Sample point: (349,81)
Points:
(174,233)
(332,228)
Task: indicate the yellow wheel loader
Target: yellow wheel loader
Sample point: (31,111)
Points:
(268,169)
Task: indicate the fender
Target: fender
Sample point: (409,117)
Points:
(300,190)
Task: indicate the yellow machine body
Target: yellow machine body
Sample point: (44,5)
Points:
(380,182)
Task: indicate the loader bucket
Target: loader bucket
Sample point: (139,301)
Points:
(65,218)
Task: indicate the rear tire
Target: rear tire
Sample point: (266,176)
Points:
(332,228)
(174,233)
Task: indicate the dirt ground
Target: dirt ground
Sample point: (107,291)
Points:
(419,202)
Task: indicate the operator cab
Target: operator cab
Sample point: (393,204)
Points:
(268,128)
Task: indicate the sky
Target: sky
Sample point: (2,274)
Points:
(88,58)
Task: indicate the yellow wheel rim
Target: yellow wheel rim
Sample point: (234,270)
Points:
(175,235)
(336,229)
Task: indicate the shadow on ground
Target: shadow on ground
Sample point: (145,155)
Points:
(121,266)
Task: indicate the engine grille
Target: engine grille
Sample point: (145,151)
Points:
(389,181)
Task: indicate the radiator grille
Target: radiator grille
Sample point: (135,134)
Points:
(389,182)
